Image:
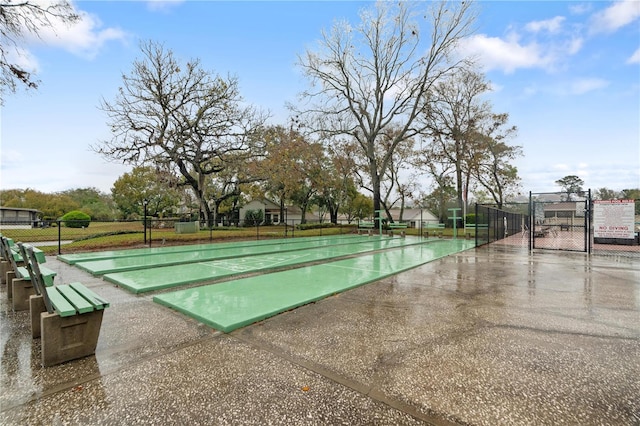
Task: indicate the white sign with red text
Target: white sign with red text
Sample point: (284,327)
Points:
(613,219)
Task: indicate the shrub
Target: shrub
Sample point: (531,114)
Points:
(253,217)
(76,219)
(315,225)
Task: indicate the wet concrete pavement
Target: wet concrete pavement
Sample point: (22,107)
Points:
(489,336)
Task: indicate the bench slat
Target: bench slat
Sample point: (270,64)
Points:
(97,301)
(80,303)
(61,305)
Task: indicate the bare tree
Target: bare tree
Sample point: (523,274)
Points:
(398,184)
(467,136)
(455,109)
(18,19)
(368,78)
(178,116)
(492,157)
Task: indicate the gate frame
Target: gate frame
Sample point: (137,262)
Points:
(587,246)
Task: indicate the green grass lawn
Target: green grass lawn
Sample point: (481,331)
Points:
(113,235)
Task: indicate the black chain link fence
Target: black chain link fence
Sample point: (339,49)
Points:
(154,232)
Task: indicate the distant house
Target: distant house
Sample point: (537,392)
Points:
(271,210)
(564,212)
(13,216)
(414,217)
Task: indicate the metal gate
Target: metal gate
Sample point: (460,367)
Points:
(556,223)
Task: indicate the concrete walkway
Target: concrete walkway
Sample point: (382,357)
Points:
(484,337)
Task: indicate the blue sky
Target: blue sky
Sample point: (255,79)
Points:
(568,74)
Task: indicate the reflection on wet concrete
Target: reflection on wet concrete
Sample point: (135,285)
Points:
(488,336)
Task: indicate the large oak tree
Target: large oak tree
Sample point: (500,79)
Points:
(177,116)
(368,79)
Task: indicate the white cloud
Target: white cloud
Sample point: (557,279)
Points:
(507,55)
(585,85)
(580,8)
(552,25)
(84,38)
(616,16)
(10,156)
(163,5)
(544,44)
(573,46)
(635,58)
(23,58)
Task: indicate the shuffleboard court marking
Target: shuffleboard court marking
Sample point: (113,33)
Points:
(233,304)
(160,278)
(74,258)
(122,264)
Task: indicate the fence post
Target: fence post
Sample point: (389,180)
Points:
(59,237)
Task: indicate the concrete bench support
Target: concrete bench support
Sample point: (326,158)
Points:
(68,338)
(5,266)
(9,277)
(21,289)
(36,307)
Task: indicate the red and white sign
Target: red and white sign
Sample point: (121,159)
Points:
(613,219)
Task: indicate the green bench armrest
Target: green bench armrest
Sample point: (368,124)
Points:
(39,255)
(17,257)
(24,273)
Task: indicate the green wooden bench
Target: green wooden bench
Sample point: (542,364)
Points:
(468,227)
(397,225)
(67,318)
(436,228)
(366,226)
(17,277)
(5,264)
(430,225)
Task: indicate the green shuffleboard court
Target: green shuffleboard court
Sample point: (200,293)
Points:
(233,304)
(74,258)
(158,278)
(209,253)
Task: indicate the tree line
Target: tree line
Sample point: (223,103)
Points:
(389,103)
